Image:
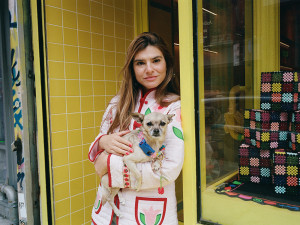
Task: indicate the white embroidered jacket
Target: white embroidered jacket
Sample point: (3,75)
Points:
(146,206)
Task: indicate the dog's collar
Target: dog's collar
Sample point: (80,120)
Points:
(147,149)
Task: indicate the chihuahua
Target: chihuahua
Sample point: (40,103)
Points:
(146,143)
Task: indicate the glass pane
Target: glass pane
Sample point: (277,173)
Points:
(225,57)
(2,131)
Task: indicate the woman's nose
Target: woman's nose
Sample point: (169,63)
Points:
(149,68)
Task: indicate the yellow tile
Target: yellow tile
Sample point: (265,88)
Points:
(57,105)
(98,118)
(61,191)
(70,36)
(88,167)
(56,3)
(96,25)
(97,57)
(87,119)
(77,218)
(109,2)
(60,157)
(110,73)
(66,220)
(89,183)
(120,4)
(119,15)
(108,99)
(119,75)
(53,16)
(74,121)
(72,88)
(109,43)
(97,41)
(99,87)
(72,71)
(109,28)
(56,69)
(77,202)
(58,122)
(86,87)
(62,208)
(110,88)
(69,5)
(86,71)
(109,58)
(129,5)
(85,55)
(120,45)
(55,52)
(129,33)
(73,104)
(61,174)
(99,103)
(54,34)
(76,170)
(96,9)
(88,135)
(75,154)
(76,186)
(90,196)
(108,13)
(57,87)
(120,30)
(70,19)
(87,213)
(127,43)
(59,140)
(71,53)
(83,7)
(84,39)
(83,22)
(98,72)
(120,59)
(74,137)
(129,18)
(87,104)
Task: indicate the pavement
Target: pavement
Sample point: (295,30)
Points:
(4,221)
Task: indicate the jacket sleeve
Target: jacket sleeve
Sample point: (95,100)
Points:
(171,164)
(94,150)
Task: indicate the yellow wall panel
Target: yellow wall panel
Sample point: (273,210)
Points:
(87,41)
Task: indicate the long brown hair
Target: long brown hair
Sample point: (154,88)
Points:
(129,89)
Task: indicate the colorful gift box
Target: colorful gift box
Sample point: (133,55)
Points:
(266,129)
(286,172)
(254,164)
(295,132)
(279,91)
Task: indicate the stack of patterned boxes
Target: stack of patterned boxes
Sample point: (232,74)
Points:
(269,154)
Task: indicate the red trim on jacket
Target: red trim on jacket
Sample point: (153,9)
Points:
(100,151)
(108,170)
(143,98)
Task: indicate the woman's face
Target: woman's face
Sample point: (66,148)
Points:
(149,67)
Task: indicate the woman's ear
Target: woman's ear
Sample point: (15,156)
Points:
(138,117)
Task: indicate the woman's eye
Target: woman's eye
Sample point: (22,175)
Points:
(149,124)
(162,123)
(156,60)
(139,63)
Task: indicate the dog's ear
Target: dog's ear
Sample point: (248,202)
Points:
(170,117)
(138,117)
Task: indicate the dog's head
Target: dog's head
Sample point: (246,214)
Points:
(154,124)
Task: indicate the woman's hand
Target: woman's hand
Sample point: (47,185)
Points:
(116,144)
(101,164)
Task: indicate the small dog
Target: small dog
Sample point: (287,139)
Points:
(153,132)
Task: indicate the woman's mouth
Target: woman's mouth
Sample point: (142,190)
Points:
(152,78)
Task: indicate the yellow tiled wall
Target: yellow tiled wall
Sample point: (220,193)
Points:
(86,45)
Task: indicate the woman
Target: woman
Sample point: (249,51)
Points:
(148,85)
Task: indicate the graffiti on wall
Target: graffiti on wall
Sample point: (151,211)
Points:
(17,105)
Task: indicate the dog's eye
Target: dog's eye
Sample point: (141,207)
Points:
(149,124)
(162,123)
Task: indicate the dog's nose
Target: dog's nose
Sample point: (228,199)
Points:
(156,132)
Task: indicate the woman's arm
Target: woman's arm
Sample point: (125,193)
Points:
(171,165)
